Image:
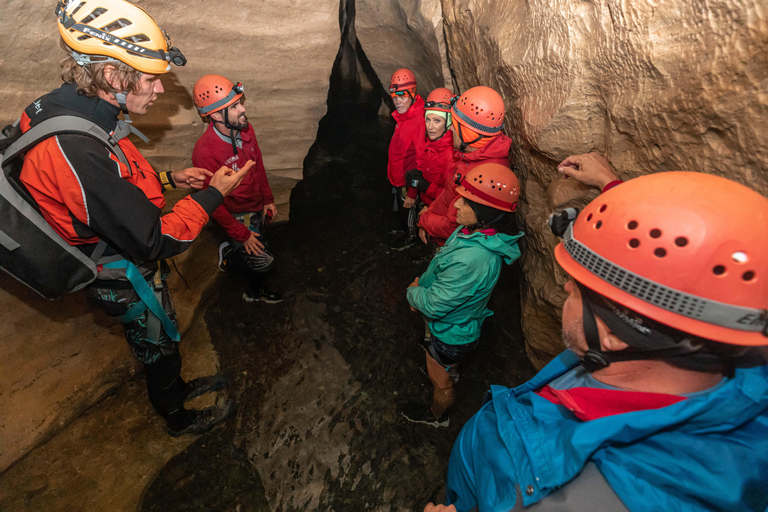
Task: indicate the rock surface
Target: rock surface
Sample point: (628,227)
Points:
(654,86)
(281,51)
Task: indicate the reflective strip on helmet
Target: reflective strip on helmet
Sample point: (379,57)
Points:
(681,303)
(474,124)
(487,197)
(236,89)
(402,87)
(172,55)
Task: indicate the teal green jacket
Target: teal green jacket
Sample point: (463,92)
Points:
(453,293)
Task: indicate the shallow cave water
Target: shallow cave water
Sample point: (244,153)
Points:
(319,379)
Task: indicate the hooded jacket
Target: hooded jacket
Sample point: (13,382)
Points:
(704,453)
(453,292)
(86,194)
(440,219)
(407,142)
(436,165)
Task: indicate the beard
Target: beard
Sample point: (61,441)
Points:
(240,124)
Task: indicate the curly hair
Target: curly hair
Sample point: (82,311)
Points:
(90,79)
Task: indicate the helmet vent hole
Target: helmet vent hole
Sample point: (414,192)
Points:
(140,38)
(660,252)
(117,25)
(681,241)
(632,224)
(599,224)
(655,233)
(634,243)
(94,14)
(748,275)
(718,270)
(602,208)
(77,8)
(589,217)
(740,257)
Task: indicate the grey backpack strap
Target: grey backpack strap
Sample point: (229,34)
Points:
(59,125)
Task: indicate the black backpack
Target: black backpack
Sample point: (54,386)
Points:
(30,249)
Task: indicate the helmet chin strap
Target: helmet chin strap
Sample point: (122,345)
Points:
(121,98)
(232,130)
(463,146)
(653,345)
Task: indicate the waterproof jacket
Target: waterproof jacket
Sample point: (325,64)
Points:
(440,219)
(436,165)
(407,142)
(213,150)
(453,292)
(704,453)
(86,194)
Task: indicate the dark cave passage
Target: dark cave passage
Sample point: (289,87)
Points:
(319,379)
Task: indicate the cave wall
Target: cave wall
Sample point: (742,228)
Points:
(62,357)
(281,51)
(653,85)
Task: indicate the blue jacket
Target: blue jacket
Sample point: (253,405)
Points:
(453,292)
(708,452)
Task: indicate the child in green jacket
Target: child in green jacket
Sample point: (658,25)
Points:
(453,293)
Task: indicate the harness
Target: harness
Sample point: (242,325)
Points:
(33,252)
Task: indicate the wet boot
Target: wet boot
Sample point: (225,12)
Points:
(167,392)
(443,394)
(443,397)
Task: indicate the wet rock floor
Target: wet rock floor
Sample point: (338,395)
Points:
(319,379)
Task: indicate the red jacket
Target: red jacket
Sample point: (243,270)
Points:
(214,149)
(436,164)
(86,194)
(440,219)
(407,142)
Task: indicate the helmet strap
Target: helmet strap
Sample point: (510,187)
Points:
(232,130)
(651,344)
(464,145)
(121,98)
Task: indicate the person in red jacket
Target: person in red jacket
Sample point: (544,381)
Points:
(93,200)
(436,163)
(478,118)
(230,141)
(406,145)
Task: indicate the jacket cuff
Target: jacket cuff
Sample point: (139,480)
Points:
(209,199)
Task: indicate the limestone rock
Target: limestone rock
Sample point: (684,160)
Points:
(281,51)
(403,34)
(654,86)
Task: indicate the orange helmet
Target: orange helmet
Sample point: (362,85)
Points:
(403,82)
(686,249)
(439,99)
(481,109)
(115,30)
(491,184)
(215,92)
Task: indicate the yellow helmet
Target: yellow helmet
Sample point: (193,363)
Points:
(116,30)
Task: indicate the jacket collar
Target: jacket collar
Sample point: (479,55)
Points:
(67,101)
(416,109)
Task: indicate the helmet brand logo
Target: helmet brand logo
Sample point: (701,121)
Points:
(38,108)
(112,39)
(750,319)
